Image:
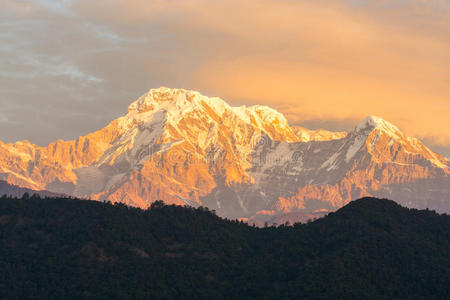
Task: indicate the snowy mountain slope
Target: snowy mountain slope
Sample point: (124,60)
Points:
(307,135)
(374,159)
(185,148)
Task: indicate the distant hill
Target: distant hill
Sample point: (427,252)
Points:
(57,248)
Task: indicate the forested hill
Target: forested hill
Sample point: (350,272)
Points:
(57,248)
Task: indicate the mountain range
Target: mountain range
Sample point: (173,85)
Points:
(244,162)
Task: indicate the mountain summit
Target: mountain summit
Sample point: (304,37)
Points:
(373,122)
(186,148)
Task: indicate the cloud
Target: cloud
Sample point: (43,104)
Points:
(313,60)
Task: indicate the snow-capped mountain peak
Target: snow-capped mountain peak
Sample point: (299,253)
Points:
(176,106)
(373,122)
(181,99)
(174,98)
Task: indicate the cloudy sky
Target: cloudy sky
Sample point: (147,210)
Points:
(68,67)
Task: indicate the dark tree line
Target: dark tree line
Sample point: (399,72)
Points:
(54,248)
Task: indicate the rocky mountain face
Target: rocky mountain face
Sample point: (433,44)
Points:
(185,148)
(374,159)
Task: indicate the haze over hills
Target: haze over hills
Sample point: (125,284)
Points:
(15,191)
(185,148)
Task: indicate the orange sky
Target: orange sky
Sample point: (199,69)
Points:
(313,60)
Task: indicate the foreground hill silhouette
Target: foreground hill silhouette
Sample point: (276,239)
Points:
(66,248)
